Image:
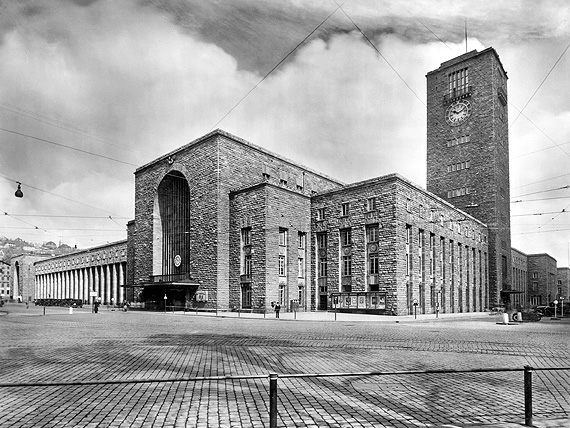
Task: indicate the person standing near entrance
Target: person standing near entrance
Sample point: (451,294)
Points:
(277,309)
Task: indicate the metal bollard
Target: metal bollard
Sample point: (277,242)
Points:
(273,400)
(505,318)
(528,396)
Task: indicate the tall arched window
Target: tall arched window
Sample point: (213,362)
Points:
(174,212)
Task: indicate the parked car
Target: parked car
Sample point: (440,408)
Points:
(528,315)
(546,311)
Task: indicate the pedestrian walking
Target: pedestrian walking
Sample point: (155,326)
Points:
(277,309)
(96,306)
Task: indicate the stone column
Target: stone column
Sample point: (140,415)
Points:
(107,276)
(58,278)
(80,284)
(121,282)
(96,280)
(114,293)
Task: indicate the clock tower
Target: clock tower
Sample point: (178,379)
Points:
(468,152)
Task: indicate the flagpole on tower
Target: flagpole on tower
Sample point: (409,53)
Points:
(465,36)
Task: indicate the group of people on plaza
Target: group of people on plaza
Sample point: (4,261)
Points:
(98,301)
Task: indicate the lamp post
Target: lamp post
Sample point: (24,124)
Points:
(437,304)
(561,306)
(19,193)
(165,303)
(555,307)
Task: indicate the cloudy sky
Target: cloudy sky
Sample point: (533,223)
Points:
(91,89)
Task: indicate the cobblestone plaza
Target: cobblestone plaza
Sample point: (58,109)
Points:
(114,345)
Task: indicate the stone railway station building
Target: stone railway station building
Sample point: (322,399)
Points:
(222,223)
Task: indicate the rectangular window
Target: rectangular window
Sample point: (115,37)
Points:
(301,273)
(247,266)
(372,233)
(246,236)
(408,250)
(320,214)
(345,237)
(302,240)
(322,240)
(458,82)
(300,295)
(373,264)
(282,237)
(323,267)
(246,296)
(346,265)
(421,254)
(281,265)
(370,204)
(345,209)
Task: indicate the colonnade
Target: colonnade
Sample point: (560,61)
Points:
(103,281)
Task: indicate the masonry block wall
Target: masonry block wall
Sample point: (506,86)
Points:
(417,230)
(101,269)
(22,276)
(481,142)
(214,166)
(248,211)
(287,211)
(563,283)
(519,279)
(542,272)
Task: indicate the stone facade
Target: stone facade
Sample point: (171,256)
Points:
(428,252)
(468,161)
(5,289)
(101,270)
(22,276)
(272,260)
(213,166)
(563,284)
(542,272)
(520,279)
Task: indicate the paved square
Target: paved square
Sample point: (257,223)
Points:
(113,345)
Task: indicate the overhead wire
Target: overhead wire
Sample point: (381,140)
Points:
(67,147)
(63,125)
(381,55)
(277,65)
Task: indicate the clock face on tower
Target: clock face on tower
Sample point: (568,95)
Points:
(457,112)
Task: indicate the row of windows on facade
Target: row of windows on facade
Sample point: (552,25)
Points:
(76,261)
(247,262)
(283,181)
(455,141)
(459,166)
(458,81)
(462,191)
(247,294)
(370,205)
(372,252)
(438,253)
(429,214)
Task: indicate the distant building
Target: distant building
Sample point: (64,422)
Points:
(98,272)
(542,272)
(5,290)
(223,223)
(468,151)
(22,276)
(519,290)
(563,284)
